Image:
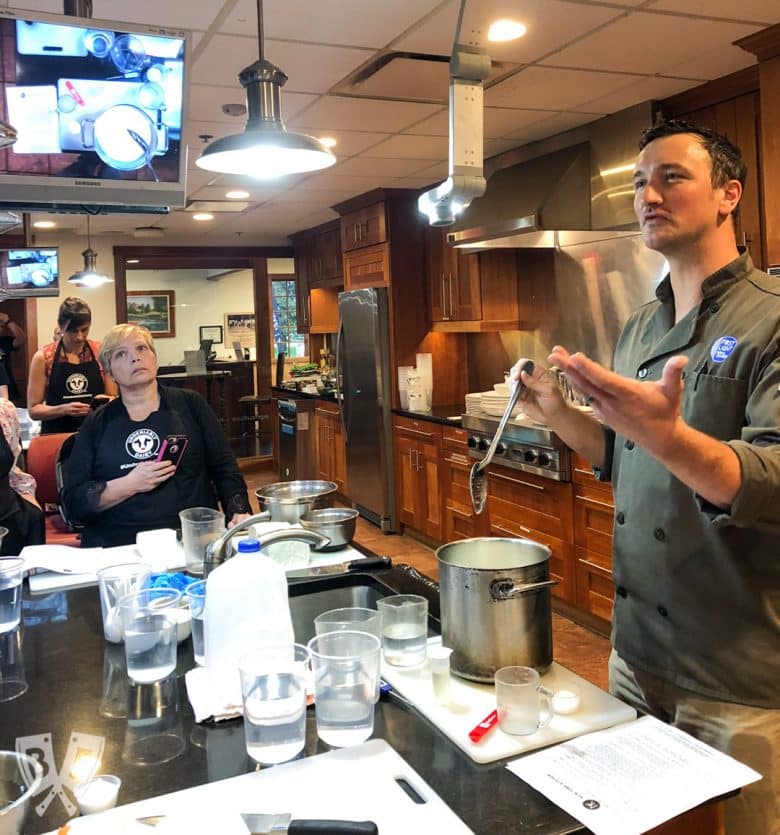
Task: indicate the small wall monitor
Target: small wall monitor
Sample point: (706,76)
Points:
(29,272)
(98,108)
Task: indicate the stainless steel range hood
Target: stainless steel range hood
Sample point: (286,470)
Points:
(570,189)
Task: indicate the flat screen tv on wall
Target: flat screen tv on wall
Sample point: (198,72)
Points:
(32,271)
(98,108)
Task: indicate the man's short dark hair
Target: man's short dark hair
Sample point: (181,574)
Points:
(727,161)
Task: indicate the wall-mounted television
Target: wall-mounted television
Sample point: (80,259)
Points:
(98,108)
(32,271)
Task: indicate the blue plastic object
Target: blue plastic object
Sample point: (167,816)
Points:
(248,546)
(170,580)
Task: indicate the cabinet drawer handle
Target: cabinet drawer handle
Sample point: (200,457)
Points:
(595,501)
(511,533)
(417,432)
(518,481)
(584,472)
(454,458)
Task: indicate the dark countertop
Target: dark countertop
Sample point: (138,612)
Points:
(448,415)
(285,392)
(78,686)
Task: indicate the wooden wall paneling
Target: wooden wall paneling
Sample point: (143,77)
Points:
(770,156)
(450,359)
(748,127)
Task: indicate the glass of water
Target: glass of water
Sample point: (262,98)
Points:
(149,620)
(345,665)
(273,688)
(195,594)
(11,573)
(404,629)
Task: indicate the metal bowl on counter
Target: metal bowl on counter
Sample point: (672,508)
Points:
(287,501)
(337,523)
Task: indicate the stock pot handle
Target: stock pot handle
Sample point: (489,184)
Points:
(505,589)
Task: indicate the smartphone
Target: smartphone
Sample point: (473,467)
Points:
(172,449)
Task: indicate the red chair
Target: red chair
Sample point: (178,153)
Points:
(40,462)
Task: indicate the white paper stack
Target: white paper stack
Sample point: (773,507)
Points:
(474,403)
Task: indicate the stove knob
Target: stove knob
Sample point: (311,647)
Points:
(482,444)
(500,448)
(529,455)
(544,459)
(472,442)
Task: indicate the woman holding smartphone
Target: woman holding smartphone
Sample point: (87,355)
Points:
(149,454)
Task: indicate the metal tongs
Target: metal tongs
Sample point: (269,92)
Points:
(478,477)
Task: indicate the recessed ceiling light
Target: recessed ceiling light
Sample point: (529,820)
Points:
(506,30)
(203,216)
(328,141)
(44,224)
(237,195)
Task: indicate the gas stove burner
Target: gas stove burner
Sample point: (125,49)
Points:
(524,445)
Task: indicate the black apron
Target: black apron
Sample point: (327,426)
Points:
(68,382)
(6,346)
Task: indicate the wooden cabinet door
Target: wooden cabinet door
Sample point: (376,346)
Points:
(328,249)
(407,480)
(417,459)
(428,469)
(368,267)
(302,268)
(458,518)
(453,280)
(465,286)
(364,227)
(595,588)
(436,271)
(339,454)
(324,449)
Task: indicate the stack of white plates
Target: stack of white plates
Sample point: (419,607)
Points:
(494,403)
(474,403)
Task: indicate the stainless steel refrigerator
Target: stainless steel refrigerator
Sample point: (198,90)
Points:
(364,374)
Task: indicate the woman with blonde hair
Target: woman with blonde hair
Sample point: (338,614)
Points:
(117,481)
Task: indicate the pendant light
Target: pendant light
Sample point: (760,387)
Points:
(89,276)
(265,150)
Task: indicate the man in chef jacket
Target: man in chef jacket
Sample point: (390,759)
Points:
(687,427)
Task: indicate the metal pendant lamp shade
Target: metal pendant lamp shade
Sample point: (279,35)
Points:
(90,276)
(266,149)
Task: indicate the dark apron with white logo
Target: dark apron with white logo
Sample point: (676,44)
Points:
(69,382)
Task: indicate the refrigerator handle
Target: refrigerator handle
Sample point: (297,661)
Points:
(339,399)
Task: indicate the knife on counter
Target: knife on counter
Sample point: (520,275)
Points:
(265,824)
(367,564)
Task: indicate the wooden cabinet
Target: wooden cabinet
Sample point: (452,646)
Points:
(459,519)
(418,447)
(331,451)
(367,267)
(302,290)
(364,227)
(594,512)
(324,310)
(318,265)
(522,504)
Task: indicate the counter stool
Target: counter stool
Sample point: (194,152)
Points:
(253,422)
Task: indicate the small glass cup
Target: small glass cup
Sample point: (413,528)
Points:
(200,526)
(404,629)
(273,688)
(149,620)
(11,574)
(114,582)
(13,680)
(195,594)
(346,666)
(155,732)
(518,699)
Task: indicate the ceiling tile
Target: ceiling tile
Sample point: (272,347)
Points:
(214,192)
(436,125)
(546,88)
(713,64)
(340,112)
(206,105)
(498,146)
(765,12)
(642,42)
(349,22)
(555,124)
(411,79)
(348,142)
(333,179)
(412,147)
(643,89)
(152,12)
(364,166)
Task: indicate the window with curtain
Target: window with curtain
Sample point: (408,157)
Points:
(286,336)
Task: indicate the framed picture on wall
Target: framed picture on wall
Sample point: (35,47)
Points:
(240,327)
(154,309)
(212,332)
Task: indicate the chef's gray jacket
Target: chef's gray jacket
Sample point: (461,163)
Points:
(697,588)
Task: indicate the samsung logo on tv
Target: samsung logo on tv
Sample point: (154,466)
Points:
(89,183)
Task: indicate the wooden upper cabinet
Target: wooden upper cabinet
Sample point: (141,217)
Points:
(453,280)
(302,266)
(364,227)
(367,267)
(327,259)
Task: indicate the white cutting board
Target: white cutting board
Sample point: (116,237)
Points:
(471,702)
(357,783)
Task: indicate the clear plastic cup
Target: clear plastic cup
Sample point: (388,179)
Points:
(114,583)
(195,595)
(404,629)
(13,679)
(354,618)
(518,698)
(11,574)
(149,620)
(199,527)
(273,688)
(345,666)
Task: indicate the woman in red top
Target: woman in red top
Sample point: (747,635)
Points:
(66,379)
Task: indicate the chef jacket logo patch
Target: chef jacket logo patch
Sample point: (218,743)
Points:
(76,383)
(142,444)
(722,348)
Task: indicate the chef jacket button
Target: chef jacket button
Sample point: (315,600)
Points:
(629,444)
(622,592)
(662,611)
(714,307)
(642,373)
(659,534)
(620,518)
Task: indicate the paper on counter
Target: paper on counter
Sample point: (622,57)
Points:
(631,778)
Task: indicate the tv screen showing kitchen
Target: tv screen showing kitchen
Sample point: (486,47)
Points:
(98,108)
(29,272)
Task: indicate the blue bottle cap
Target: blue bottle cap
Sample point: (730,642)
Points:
(248,545)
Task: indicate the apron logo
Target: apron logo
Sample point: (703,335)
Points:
(722,348)
(142,444)
(77,383)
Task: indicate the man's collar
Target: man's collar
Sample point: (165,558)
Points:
(713,284)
